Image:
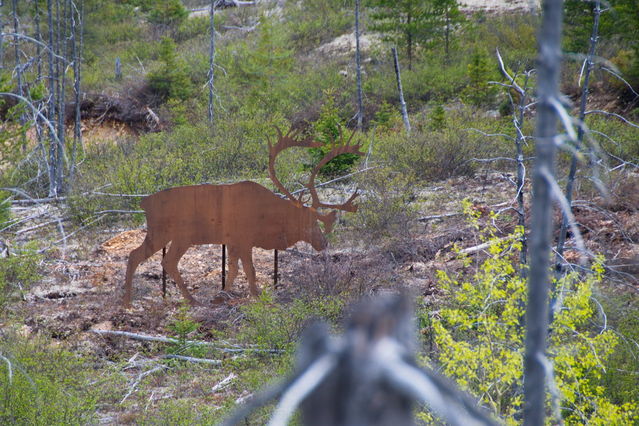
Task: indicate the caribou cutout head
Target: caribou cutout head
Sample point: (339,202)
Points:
(242,215)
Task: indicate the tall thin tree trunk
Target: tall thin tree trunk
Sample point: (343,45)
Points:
(447,37)
(580,133)
(53,145)
(549,64)
(38,36)
(77,130)
(358,66)
(211,82)
(400,91)
(62,52)
(16,45)
(36,118)
(521,208)
(1,37)
(409,44)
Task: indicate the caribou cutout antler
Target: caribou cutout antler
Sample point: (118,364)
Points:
(242,215)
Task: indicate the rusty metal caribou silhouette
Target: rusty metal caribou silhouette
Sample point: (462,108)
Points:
(241,215)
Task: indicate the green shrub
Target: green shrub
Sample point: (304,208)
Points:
(171,80)
(385,210)
(435,155)
(479,92)
(184,328)
(328,128)
(5,208)
(196,27)
(273,325)
(43,385)
(17,273)
(614,137)
(169,13)
(620,378)
(480,340)
(313,22)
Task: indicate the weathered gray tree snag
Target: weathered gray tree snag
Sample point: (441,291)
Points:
(53,145)
(358,66)
(585,90)
(1,37)
(211,76)
(367,376)
(549,65)
(38,36)
(76,20)
(61,26)
(400,90)
(518,122)
(16,45)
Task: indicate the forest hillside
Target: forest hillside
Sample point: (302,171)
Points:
(407,141)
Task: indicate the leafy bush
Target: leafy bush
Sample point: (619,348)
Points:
(479,92)
(170,81)
(620,139)
(17,273)
(620,378)
(5,208)
(480,340)
(43,385)
(314,22)
(273,325)
(167,12)
(184,327)
(384,210)
(437,154)
(328,128)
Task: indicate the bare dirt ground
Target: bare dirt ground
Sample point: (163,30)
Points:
(82,289)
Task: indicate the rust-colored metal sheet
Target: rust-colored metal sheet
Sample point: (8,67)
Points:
(241,216)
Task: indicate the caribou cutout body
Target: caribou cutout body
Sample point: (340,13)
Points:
(241,215)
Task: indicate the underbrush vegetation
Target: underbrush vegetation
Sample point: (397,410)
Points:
(42,384)
(274,68)
(17,273)
(478,339)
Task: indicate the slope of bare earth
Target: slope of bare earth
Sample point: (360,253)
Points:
(83,279)
(83,276)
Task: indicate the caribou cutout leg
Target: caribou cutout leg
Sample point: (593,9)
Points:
(249,271)
(170,264)
(234,259)
(147,249)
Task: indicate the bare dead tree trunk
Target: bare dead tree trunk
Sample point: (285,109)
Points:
(77,130)
(62,52)
(16,44)
(38,36)
(521,173)
(1,37)
(447,37)
(36,119)
(580,132)
(400,91)
(549,63)
(18,68)
(358,66)
(53,145)
(211,81)
(409,44)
